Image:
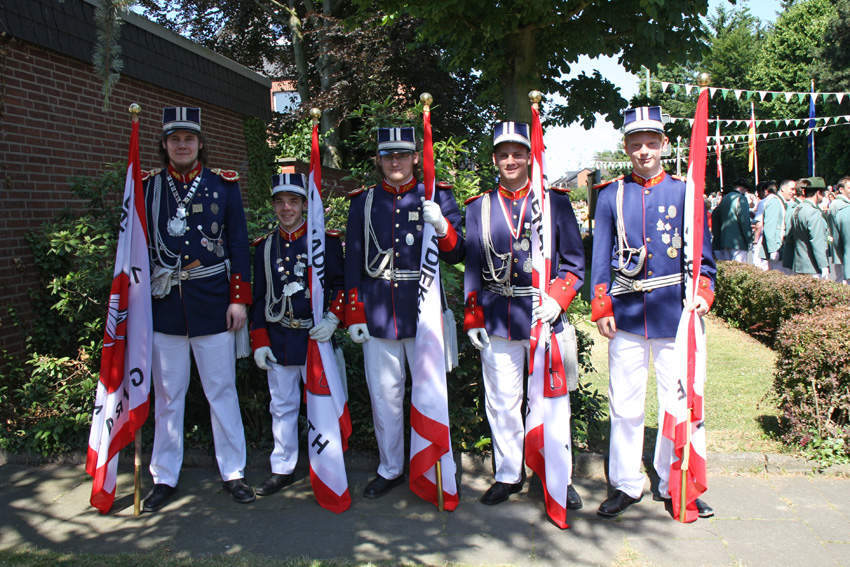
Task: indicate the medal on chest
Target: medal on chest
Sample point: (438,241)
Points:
(179,223)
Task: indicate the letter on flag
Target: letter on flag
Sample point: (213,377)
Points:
(430,441)
(547,438)
(329,422)
(684,415)
(121,402)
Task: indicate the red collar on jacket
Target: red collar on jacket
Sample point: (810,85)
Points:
(649,182)
(188,177)
(518,194)
(404,188)
(295,234)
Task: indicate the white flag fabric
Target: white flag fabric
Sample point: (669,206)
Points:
(547,425)
(430,440)
(329,424)
(122,398)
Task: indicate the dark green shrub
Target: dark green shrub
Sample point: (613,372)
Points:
(758,302)
(812,382)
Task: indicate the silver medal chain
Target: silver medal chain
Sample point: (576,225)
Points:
(178,224)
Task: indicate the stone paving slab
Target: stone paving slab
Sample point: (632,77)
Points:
(761,520)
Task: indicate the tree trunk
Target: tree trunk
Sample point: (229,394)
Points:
(327,66)
(522,76)
(301,65)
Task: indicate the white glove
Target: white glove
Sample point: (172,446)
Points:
(262,356)
(359,333)
(547,311)
(824,274)
(432,214)
(478,337)
(325,329)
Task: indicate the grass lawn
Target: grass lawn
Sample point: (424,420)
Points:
(740,414)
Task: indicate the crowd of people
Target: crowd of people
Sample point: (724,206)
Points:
(203,300)
(795,226)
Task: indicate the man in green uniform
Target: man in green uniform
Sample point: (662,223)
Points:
(807,235)
(736,232)
(772,229)
(839,243)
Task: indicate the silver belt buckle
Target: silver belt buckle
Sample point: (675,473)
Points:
(295,324)
(184,276)
(637,285)
(508,290)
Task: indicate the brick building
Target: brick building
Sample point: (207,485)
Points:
(53,126)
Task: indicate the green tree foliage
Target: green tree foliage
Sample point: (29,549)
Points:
(516,47)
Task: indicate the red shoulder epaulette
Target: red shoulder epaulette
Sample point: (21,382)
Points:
(152,173)
(334,232)
(468,201)
(604,183)
(226,174)
(261,238)
(560,189)
(355,192)
(444,185)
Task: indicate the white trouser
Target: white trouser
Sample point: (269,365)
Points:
(384,361)
(628,363)
(215,356)
(758,261)
(285,388)
(736,255)
(503,366)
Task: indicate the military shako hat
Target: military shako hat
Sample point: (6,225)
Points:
(396,140)
(181,118)
(645,119)
(511,132)
(295,183)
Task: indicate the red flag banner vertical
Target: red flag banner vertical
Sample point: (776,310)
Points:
(329,423)
(547,424)
(684,416)
(429,413)
(122,397)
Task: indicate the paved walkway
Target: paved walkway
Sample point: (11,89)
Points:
(764,516)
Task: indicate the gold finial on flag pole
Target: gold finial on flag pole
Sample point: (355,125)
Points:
(426,99)
(535,97)
(315,114)
(134,111)
(704,79)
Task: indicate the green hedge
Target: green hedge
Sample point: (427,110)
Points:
(812,381)
(758,302)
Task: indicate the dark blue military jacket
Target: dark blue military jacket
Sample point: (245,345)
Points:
(653,211)
(288,266)
(510,317)
(216,231)
(389,306)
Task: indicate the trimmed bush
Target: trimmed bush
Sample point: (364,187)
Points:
(758,302)
(812,382)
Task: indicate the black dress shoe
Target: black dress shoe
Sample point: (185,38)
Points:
(240,491)
(616,504)
(274,483)
(379,486)
(573,499)
(158,497)
(703,509)
(499,492)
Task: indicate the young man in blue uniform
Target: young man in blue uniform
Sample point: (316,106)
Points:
(500,297)
(382,258)
(638,294)
(201,286)
(282,316)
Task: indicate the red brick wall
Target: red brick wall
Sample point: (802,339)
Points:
(52,126)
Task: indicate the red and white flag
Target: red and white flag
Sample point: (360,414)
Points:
(684,415)
(122,398)
(429,413)
(753,158)
(718,147)
(547,425)
(329,423)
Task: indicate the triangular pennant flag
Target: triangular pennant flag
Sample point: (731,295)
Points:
(788,97)
(776,123)
(725,93)
(749,94)
(688,88)
(675,88)
(814,96)
(738,94)
(664,85)
(801,96)
(826,120)
(690,121)
(763,94)
(711,91)
(839,97)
